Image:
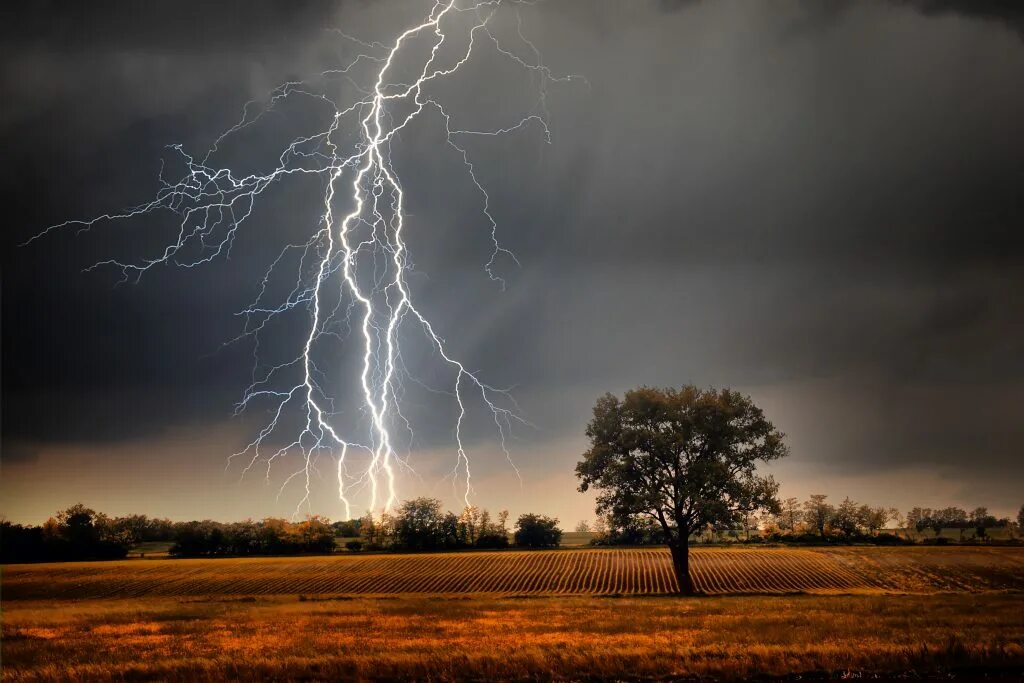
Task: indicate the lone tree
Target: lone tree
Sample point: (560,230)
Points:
(682,457)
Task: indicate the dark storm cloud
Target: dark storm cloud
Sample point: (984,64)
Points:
(768,196)
(819,14)
(95,94)
(1004,11)
(163,24)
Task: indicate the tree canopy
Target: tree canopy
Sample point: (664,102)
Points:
(685,458)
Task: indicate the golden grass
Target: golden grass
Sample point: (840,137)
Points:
(545,615)
(857,570)
(490,638)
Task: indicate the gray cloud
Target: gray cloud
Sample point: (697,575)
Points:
(811,200)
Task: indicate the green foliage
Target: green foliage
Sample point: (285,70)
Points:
(349,529)
(846,518)
(631,530)
(873,519)
(921,519)
(492,540)
(76,533)
(537,531)
(420,525)
(790,515)
(817,513)
(270,536)
(685,458)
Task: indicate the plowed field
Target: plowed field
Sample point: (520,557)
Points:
(569,572)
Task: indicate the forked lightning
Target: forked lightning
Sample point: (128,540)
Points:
(352,271)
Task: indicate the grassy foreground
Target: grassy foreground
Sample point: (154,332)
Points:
(447,638)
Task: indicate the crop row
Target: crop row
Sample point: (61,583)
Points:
(595,572)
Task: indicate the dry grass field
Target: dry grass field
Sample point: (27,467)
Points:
(487,638)
(579,614)
(850,570)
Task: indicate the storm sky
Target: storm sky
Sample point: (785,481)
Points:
(818,203)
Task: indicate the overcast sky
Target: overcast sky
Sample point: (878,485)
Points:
(818,203)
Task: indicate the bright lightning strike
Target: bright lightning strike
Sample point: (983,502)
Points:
(352,271)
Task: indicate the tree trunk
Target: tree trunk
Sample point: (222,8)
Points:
(681,566)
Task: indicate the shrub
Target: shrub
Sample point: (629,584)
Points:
(354,546)
(492,540)
(890,539)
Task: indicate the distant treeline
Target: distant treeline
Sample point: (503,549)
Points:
(421,524)
(80,533)
(818,521)
(76,533)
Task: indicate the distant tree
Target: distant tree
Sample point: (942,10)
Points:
(818,513)
(583,527)
(919,519)
(492,535)
(770,525)
(368,532)
(486,526)
(896,517)
(243,538)
(951,517)
(469,524)
(136,528)
(269,536)
(492,539)
(347,529)
(80,533)
(316,535)
(451,533)
(503,521)
(1020,520)
(789,515)
(205,538)
(418,524)
(387,529)
(981,521)
(77,526)
(537,531)
(19,543)
(937,520)
(846,517)
(634,530)
(872,519)
(681,457)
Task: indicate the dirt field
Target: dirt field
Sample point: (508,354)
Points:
(716,571)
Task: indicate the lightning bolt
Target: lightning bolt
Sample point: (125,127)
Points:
(356,258)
